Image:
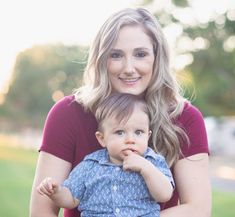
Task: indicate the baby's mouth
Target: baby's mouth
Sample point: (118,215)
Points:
(132,150)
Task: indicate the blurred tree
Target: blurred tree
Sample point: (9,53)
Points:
(41,76)
(44,74)
(208,72)
(180,3)
(213,68)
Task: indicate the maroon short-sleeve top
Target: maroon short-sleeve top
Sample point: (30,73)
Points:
(69,133)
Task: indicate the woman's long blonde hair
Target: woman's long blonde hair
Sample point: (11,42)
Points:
(162,95)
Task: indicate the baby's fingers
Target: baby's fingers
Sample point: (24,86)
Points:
(125,164)
(127,153)
(45,187)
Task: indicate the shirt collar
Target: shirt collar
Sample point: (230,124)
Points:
(150,153)
(102,157)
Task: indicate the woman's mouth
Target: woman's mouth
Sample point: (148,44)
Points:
(129,81)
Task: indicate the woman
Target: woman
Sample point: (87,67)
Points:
(129,55)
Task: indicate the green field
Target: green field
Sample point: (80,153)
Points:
(17,171)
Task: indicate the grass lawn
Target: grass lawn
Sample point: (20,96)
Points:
(223,204)
(17,170)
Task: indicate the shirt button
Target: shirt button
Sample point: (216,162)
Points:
(117,168)
(114,187)
(117,210)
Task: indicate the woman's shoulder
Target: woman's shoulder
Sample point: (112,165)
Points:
(66,107)
(65,125)
(65,113)
(67,102)
(192,122)
(189,113)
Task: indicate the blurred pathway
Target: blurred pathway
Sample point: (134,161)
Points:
(222,170)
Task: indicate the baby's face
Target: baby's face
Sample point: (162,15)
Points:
(131,135)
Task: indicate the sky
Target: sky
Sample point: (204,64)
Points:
(26,23)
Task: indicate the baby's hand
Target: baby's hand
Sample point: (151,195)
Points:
(48,187)
(133,161)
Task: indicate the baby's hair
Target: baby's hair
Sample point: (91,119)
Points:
(120,106)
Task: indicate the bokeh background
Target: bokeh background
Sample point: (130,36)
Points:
(43,51)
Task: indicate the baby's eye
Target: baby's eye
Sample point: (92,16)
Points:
(139,132)
(120,132)
(115,55)
(141,54)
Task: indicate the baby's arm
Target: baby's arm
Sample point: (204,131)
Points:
(60,195)
(158,184)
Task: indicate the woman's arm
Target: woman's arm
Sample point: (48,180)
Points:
(48,165)
(193,185)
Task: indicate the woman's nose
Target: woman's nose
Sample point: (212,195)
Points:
(129,66)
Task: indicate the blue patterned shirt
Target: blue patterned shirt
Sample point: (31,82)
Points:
(106,190)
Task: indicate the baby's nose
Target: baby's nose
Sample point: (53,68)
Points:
(129,139)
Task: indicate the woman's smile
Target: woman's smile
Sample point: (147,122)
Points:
(130,65)
(130,81)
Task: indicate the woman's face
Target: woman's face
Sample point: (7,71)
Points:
(130,63)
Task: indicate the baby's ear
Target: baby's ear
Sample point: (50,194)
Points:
(100,138)
(150,133)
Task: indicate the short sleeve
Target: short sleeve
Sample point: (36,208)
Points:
(162,165)
(76,180)
(59,135)
(192,122)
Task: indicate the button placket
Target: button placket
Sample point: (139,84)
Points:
(115,188)
(115,191)
(117,210)
(117,168)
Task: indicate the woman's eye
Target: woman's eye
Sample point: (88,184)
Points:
(119,132)
(139,132)
(115,55)
(141,54)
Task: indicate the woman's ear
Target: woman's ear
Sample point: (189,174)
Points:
(150,133)
(100,138)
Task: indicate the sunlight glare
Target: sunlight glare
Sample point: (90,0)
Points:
(182,60)
(229,44)
(26,23)
(226,172)
(231,15)
(200,43)
(57,95)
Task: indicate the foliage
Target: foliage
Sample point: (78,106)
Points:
(180,3)
(44,74)
(213,69)
(41,76)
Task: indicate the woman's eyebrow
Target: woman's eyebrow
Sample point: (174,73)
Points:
(135,49)
(116,50)
(142,49)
